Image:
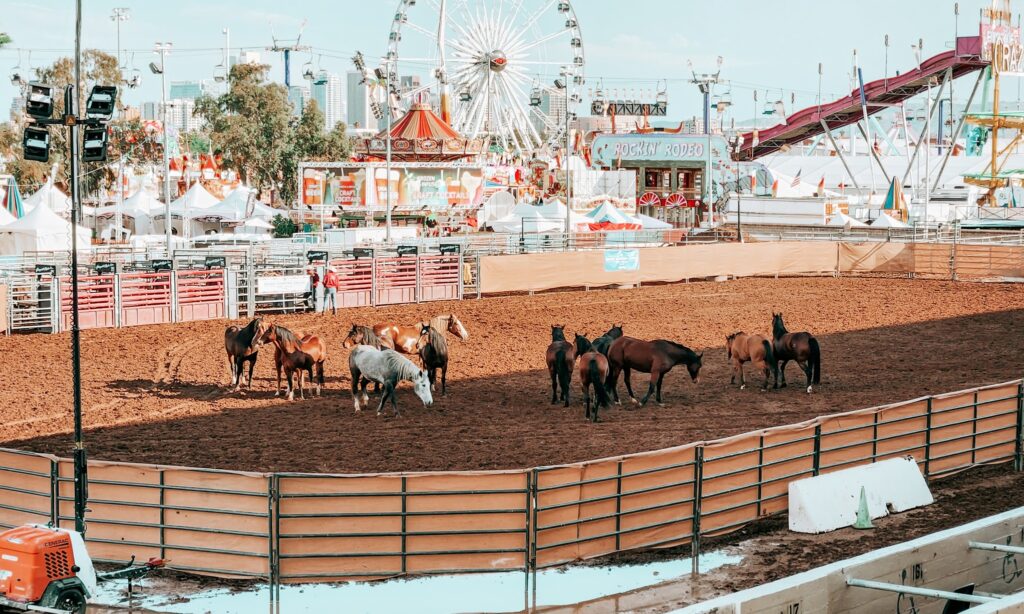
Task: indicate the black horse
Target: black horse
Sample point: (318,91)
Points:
(433,351)
(242,346)
(801,347)
(605,341)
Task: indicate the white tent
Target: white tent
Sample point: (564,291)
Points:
(607,212)
(40,230)
(841,219)
(255,225)
(651,223)
(887,221)
(497,206)
(556,210)
(140,207)
(194,199)
(234,208)
(527,218)
(6,217)
(55,200)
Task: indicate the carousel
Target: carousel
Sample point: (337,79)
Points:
(421,136)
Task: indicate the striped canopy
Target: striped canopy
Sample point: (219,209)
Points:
(421,123)
(420,135)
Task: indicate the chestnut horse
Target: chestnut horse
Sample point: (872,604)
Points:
(242,346)
(801,347)
(655,357)
(602,343)
(405,339)
(365,335)
(434,355)
(741,347)
(560,357)
(593,369)
(295,354)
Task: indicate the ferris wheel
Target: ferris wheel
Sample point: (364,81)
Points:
(507,69)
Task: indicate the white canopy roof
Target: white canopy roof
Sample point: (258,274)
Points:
(57,201)
(6,217)
(607,212)
(233,208)
(556,210)
(527,218)
(195,199)
(651,223)
(139,205)
(887,221)
(841,219)
(256,223)
(40,230)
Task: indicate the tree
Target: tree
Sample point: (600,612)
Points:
(284,227)
(4,39)
(249,125)
(312,143)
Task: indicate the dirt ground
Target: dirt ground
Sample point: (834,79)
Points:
(156,394)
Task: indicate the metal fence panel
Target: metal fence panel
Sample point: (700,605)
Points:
(97,302)
(32,304)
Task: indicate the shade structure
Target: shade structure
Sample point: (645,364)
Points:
(841,219)
(650,223)
(12,199)
(140,207)
(5,217)
(40,230)
(527,218)
(51,196)
(236,208)
(556,210)
(887,221)
(255,225)
(607,217)
(194,199)
(421,136)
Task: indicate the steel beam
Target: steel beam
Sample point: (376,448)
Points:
(871,148)
(918,592)
(839,152)
(924,136)
(995,547)
(959,129)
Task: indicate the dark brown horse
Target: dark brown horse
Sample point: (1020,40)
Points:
(365,335)
(242,346)
(293,354)
(741,347)
(655,357)
(602,343)
(593,369)
(405,339)
(801,347)
(560,357)
(433,349)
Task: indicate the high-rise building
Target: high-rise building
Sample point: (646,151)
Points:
(247,57)
(180,114)
(186,90)
(357,109)
(151,111)
(330,97)
(298,96)
(17,109)
(552,106)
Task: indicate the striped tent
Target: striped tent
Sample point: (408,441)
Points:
(421,136)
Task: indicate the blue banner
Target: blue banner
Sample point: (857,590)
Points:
(621,260)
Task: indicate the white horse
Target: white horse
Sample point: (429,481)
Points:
(388,368)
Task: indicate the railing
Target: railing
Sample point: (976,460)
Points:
(294,527)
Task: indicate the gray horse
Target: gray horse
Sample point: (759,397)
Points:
(388,368)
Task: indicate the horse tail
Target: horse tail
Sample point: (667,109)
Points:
(594,373)
(562,370)
(815,360)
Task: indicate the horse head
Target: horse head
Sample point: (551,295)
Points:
(694,367)
(354,338)
(456,328)
(615,332)
(778,326)
(259,326)
(583,345)
(424,338)
(267,333)
(421,386)
(558,332)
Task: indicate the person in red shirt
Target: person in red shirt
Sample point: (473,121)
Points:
(331,283)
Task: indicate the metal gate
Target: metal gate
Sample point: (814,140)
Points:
(30,303)
(97,302)
(200,295)
(440,278)
(355,278)
(146,298)
(395,281)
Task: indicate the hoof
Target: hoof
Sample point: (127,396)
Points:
(783,385)
(810,389)
(743,387)
(635,401)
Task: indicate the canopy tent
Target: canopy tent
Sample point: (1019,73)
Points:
(40,230)
(49,194)
(5,217)
(841,219)
(12,199)
(497,206)
(195,199)
(527,218)
(140,207)
(556,210)
(887,221)
(255,225)
(234,208)
(607,217)
(650,223)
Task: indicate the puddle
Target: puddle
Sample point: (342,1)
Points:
(492,593)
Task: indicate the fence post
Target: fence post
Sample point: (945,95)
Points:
(974,430)
(117,298)
(54,493)
(817,449)
(760,472)
(373,280)
(404,510)
(531,518)
(163,540)
(698,491)
(618,505)
(274,535)
(928,440)
(56,300)
(250,288)
(479,291)
(418,290)
(1018,449)
(173,276)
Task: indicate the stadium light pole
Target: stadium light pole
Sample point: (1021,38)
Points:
(162,49)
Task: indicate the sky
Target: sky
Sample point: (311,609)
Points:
(773,48)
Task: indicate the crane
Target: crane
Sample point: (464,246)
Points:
(286,47)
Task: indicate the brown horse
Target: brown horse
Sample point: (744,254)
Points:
(297,354)
(560,357)
(801,347)
(405,339)
(365,335)
(593,369)
(242,346)
(433,349)
(602,343)
(741,347)
(655,357)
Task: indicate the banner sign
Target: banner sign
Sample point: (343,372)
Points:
(216,262)
(362,252)
(46,269)
(1000,39)
(408,250)
(282,284)
(449,248)
(621,260)
(410,188)
(105,268)
(316,256)
(161,265)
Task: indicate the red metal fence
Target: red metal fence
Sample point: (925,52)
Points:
(145,298)
(200,295)
(97,302)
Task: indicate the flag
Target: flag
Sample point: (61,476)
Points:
(753,181)
(821,185)
(796,180)
(775,188)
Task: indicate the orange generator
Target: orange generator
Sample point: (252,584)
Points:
(37,571)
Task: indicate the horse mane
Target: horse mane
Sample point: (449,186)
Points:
(440,322)
(287,336)
(680,346)
(247,334)
(405,368)
(778,326)
(436,339)
(369,336)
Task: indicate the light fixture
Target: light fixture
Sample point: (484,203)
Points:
(100,104)
(156,70)
(36,144)
(39,100)
(94,144)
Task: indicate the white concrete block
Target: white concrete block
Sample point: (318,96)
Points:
(829,502)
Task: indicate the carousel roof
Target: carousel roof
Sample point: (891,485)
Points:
(421,136)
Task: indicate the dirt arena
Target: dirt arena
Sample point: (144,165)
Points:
(156,394)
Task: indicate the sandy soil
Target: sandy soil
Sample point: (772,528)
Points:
(156,394)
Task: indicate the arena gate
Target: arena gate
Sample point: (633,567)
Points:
(288,527)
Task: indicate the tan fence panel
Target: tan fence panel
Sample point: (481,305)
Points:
(903,431)
(361,527)
(998,416)
(846,440)
(656,506)
(730,485)
(933,260)
(25,488)
(989,261)
(876,257)
(952,432)
(528,272)
(788,454)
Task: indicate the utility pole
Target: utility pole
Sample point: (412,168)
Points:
(119,15)
(282,46)
(71,109)
(568,74)
(705,83)
(162,49)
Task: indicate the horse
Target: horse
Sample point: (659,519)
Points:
(560,357)
(388,368)
(242,347)
(741,347)
(593,369)
(604,342)
(405,339)
(655,357)
(366,335)
(294,354)
(801,347)
(433,350)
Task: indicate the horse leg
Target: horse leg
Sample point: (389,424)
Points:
(554,384)
(611,384)
(384,397)
(584,386)
(655,374)
(277,366)
(319,378)
(743,380)
(766,370)
(444,379)
(231,370)
(288,377)
(355,389)
(252,365)
(782,372)
(657,398)
(627,376)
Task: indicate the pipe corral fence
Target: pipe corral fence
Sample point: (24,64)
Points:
(297,527)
